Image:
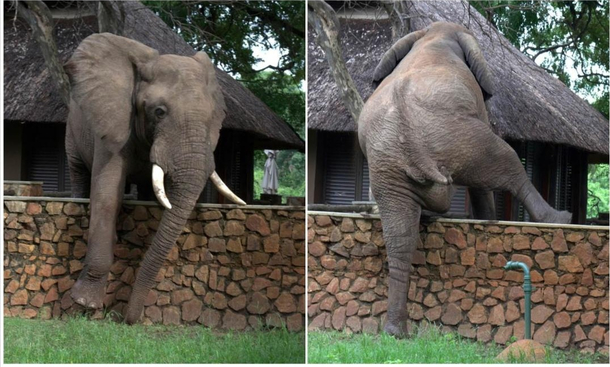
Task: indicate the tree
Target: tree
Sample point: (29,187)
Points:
(228,31)
(39,18)
(567,38)
(111,17)
(598,190)
(324,21)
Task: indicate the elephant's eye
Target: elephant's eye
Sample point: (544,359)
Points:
(160,112)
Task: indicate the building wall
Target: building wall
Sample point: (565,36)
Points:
(458,280)
(23,188)
(232,268)
(12,151)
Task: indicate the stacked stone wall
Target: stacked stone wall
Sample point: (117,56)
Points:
(458,280)
(23,188)
(232,268)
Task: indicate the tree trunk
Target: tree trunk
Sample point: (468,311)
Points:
(109,19)
(324,20)
(38,17)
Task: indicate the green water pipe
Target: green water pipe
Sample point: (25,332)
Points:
(527,289)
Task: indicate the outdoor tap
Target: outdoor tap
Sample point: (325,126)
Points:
(527,290)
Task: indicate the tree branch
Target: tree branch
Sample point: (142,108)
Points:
(323,19)
(281,69)
(274,20)
(39,18)
(575,38)
(550,48)
(589,75)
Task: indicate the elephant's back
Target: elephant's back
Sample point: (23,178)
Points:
(438,81)
(436,94)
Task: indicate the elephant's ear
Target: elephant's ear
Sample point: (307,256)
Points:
(211,81)
(476,62)
(213,89)
(393,56)
(102,73)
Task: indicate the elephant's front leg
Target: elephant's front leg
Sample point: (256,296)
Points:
(400,220)
(108,183)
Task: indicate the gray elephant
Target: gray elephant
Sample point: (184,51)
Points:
(425,128)
(135,115)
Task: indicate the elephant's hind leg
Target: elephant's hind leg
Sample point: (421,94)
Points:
(483,205)
(400,219)
(106,198)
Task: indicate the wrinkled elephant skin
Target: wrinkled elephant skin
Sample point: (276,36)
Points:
(424,129)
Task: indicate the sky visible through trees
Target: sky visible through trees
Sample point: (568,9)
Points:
(569,39)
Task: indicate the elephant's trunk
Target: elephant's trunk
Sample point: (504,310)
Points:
(183,193)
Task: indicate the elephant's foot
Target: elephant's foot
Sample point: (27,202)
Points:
(132,313)
(556,216)
(563,217)
(89,294)
(398,330)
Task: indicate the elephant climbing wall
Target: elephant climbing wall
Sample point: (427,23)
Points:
(232,268)
(459,281)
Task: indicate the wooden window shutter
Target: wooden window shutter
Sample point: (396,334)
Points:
(366,182)
(46,156)
(340,176)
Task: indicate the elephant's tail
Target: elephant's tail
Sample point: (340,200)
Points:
(426,171)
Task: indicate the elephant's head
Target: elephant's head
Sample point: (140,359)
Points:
(169,107)
(169,104)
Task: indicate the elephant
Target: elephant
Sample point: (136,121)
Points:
(136,116)
(425,129)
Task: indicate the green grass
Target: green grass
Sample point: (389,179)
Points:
(429,346)
(79,340)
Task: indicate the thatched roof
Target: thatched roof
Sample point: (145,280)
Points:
(29,93)
(528,104)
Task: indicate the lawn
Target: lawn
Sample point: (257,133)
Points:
(429,346)
(79,340)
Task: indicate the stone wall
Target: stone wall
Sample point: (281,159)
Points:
(23,188)
(232,268)
(458,280)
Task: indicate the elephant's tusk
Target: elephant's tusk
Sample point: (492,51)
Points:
(225,190)
(159,189)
